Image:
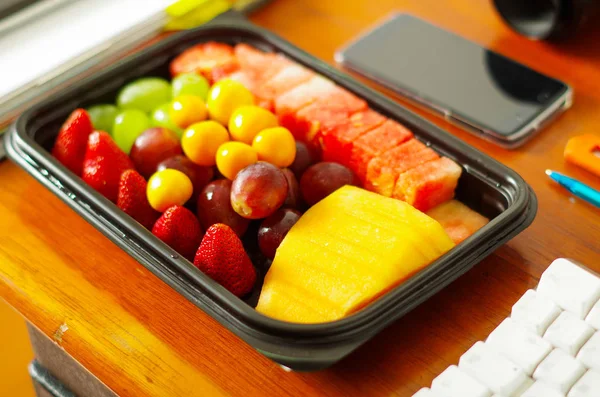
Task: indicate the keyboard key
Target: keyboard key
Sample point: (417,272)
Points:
(589,355)
(593,318)
(540,389)
(549,347)
(520,346)
(534,312)
(571,287)
(425,392)
(587,386)
(559,370)
(493,370)
(568,333)
(455,383)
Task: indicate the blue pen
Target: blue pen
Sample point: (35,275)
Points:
(579,189)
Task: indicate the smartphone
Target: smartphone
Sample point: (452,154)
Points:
(482,91)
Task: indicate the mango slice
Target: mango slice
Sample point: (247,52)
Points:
(345,252)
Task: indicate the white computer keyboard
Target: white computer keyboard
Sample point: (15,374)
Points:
(548,347)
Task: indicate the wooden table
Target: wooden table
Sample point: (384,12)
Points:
(140,337)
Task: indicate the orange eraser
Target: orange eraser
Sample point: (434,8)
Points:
(584,151)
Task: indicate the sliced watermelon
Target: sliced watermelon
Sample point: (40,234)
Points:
(428,185)
(260,66)
(458,220)
(264,63)
(308,121)
(383,170)
(255,69)
(380,139)
(286,79)
(249,80)
(303,95)
(265,103)
(245,77)
(330,108)
(342,99)
(336,141)
(211,59)
(220,72)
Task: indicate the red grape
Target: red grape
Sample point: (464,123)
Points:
(198,174)
(153,146)
(293,198)
(214,206)
(258,190)
(305,157)
(322,179)
(273,229)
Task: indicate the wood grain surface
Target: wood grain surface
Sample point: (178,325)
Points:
(141,338)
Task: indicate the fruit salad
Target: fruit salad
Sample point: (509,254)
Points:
(345,202)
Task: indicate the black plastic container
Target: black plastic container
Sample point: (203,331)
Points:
(486,186)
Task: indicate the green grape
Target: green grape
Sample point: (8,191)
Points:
(103,117)
(144,94)
(161,118)
(190,84)
(129,124)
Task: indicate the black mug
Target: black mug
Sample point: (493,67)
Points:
(547,19)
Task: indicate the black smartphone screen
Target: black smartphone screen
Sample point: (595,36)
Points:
(468,82)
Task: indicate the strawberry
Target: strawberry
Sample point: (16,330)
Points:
(221,256)
(179,228)
(103,164)
(133,201)
(71,142)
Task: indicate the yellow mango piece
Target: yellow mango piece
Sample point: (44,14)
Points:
(345,252)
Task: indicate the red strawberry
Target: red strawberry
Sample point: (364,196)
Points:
(103,164)
(180,229)
(221,256)
(133,201)
(71,142)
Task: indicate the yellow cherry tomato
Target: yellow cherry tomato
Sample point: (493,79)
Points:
(201,141)
(232,157)
(167,188)
(247,121)
(276,146)
(186,110)
(224,97)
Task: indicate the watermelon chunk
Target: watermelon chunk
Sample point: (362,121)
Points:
(336,141)
(331,108)
(318,90)
(383,171)
(211,59)
(458,220)
(249,81)
(287,78)
(308,121)
(380,139)
(343,99)
(303,95)
(255,69)
(245,77)
(429,184)
(264,64)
